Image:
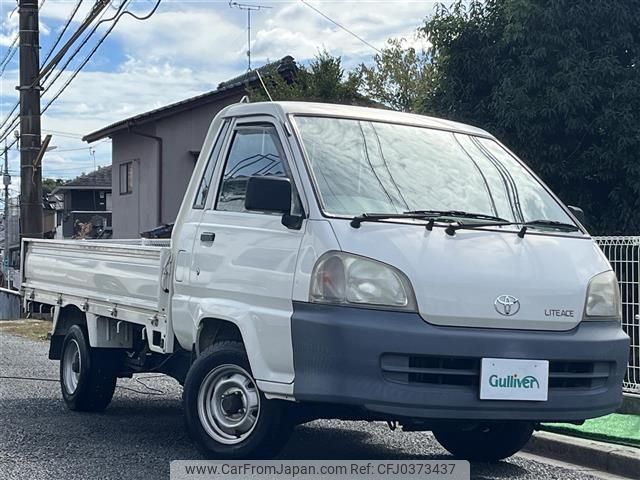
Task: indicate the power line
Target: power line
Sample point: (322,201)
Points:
(95,48)
(63,134)
(341,26)
(10,49)
(63,31)
(119,14)
(60,71)
(15,107)
(97,8)
(6,64)
(44,76)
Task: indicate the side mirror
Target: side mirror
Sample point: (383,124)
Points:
(268,194)
(578,213)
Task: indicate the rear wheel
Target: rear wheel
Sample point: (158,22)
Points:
(225,412)
(87,375)
(488,443)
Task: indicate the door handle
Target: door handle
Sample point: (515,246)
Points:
(207,237)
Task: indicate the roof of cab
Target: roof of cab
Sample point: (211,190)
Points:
(282,109)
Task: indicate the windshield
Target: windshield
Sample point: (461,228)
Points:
(362,166)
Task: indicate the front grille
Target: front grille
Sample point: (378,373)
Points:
(464,372)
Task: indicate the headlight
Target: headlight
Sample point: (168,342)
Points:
(342,278)
(603,297)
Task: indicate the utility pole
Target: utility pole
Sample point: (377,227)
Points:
(30,171)
(249,8)
(6,180)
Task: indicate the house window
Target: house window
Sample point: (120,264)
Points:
(126,178)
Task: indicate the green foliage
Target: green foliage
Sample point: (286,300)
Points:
(559,81)
(50,184)
(323,80)
(401,77)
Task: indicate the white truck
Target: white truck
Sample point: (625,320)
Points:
(343,262)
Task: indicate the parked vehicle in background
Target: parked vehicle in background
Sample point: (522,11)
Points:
(343,262)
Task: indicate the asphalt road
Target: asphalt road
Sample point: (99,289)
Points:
(142,431)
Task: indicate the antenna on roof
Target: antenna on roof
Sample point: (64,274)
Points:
(249,8)
(263,85)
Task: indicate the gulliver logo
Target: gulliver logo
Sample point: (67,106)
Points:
(512,381)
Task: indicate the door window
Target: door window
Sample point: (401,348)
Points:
(255,151)
(207,177)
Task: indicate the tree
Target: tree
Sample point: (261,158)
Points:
(559,81)
(323,80)
(50,184)
(401,77)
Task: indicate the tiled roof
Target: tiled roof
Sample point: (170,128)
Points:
(224,89)
(97,178)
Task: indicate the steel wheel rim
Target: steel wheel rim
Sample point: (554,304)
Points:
(71,366)
(229,404)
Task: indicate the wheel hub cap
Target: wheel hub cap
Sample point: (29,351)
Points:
(228,404)
(71,366)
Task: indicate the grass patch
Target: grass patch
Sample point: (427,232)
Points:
(32,329)
(614,428)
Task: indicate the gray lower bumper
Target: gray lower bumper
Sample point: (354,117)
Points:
(340,355)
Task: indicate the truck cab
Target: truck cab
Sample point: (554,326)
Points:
(343,262)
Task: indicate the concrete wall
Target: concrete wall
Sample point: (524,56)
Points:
(9,305)
(137,211)
(181,133)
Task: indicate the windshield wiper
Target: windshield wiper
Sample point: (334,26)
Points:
(456,213)
(569,227)
(431,215)
(376,217)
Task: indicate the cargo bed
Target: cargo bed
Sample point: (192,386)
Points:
(122,280)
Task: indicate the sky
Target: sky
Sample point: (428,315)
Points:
(186,48)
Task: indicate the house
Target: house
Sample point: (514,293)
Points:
(154,153)
(86,204)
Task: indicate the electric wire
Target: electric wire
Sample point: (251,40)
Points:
(350,32)
(5,65)
(152,391)
(116,18)
(95,48)
(57,73)
(40,77)
(63,31)
(10,49)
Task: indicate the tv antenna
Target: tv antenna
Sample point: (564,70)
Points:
(248,8)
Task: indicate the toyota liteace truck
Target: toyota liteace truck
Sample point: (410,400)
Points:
(343,262)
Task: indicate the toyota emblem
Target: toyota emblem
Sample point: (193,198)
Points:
(507,305)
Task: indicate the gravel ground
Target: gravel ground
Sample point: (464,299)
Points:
(140,433)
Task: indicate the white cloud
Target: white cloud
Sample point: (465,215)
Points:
(187,48)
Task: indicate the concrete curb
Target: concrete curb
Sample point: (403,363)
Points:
(630,405)
(606,457)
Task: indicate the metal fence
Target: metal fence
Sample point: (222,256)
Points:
(9,304)
(624,255)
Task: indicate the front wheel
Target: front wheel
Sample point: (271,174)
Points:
(225,412)
(87,375)
(486,443)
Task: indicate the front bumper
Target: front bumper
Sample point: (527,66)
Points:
(395,364)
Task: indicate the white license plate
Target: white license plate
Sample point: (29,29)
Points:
(510,379)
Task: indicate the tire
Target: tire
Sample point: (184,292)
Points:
(246,426)
(87,375)
(486,443)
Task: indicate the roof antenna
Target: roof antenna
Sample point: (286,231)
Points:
(249,8)
(263,85)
